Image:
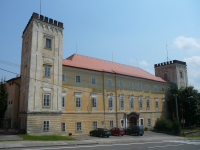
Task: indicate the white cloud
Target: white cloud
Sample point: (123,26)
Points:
(143,63)
(184,43)
(193,67)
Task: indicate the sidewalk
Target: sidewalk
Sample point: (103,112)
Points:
(88,140)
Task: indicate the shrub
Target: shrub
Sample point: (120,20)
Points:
(163,125)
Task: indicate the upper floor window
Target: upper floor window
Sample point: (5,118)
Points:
(164,104)
(139,86)
(93,80)
(46,100)
(165,76)
(47,71)
(140,102)
(163,89)
(63,77)
(146,87)
(156,100)
(121,101)
(155,88)
(78,79)
(131,85)
(94,100)
(78,100)
(63,101)
(48,43)
(109,82)
(110,101)
(132,102)
(148,102)
(181,74)
(120,83)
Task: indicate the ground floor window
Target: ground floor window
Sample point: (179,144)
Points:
(149,122)
(122,121)
(111,124)
(63,127)
(46,126)
(94,124)
(141,121)
(78,126)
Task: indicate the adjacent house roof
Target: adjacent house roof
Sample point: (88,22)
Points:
(91,63)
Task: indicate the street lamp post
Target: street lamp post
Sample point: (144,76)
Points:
(175,95)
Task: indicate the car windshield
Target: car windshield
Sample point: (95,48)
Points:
(141,127)
(121,129)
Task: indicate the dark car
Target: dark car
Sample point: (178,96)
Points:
(100,132)
(138,130)
(117,131)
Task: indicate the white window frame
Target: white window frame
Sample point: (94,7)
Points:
(110,101)
(47,127)
(78,102)
(122,125)
(140,102)
(142,122)
(63,126)
(146,87)
(149,121)
(156,103)
(63,101)
(44,104)
(94,100)
(164,103)
(94,125)
(77,80)
(47,71)
(121,97)
(139,86)
(78,128)
(93,80)
(131,101)
(131,85)
(148,102)
(155,88)
(109,82)
(120,83)
(111,124)
(63,77)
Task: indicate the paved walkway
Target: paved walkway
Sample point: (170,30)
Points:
(86,139)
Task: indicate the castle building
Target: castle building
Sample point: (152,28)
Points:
(80,93)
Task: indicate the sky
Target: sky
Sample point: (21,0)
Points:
(135,32)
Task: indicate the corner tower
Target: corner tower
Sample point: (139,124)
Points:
(41,70)
(175,71)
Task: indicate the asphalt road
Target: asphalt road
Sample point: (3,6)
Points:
(163,145)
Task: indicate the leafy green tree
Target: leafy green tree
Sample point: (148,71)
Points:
(3,97)
(186,99)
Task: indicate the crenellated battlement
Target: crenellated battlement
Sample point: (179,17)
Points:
(169,62)
(44,19)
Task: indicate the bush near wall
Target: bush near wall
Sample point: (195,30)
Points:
(168,125)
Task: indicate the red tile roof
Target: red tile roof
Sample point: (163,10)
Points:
(91,63)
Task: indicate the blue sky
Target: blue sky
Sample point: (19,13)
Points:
(131,30)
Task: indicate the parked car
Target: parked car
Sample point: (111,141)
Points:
(138,130)
(100,132)
(117,131)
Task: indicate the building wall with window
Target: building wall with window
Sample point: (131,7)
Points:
(174,71)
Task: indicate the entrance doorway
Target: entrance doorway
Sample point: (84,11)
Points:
(132,121)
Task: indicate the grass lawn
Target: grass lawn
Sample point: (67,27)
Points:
(45,137)
(192,129)
(192,136)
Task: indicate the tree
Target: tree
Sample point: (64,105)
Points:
(188,100)
(3,97)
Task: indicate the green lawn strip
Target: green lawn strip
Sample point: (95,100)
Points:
(192,136)
(45,137)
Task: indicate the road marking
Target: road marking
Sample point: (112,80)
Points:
(194,142)
(165,146)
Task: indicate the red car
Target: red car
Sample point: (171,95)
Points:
(117,131)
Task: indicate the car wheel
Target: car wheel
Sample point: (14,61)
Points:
(141,134)
(117,134)
(108,136)
(122,135)
(101,135)
(138,134)
(91,134)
